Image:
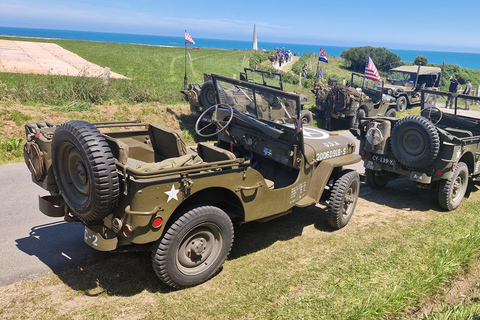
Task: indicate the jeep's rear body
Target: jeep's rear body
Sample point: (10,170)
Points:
(344,102)
(458,134)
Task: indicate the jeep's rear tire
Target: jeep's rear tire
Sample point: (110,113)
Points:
(401,104)
(452,191)
(85,170)
(375,179)
(207,94)
(343,199)
(415,141)
(355,119)
(194,247)
(307,117)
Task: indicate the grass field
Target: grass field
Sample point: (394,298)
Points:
(395,260)
(397,255)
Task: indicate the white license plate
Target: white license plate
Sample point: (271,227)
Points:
(384,160)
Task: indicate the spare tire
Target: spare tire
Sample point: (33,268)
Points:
(207,94)
(307,117)
(415,141)
(85,170)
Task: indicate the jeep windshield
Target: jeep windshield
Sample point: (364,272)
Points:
(359,81)
(401,78)
(259,102)
(265,78)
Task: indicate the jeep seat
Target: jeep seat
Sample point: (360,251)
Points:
(210,153)
(166,142)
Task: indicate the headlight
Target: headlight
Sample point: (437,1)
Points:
(390,91)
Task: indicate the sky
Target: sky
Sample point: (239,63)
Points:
(405,24)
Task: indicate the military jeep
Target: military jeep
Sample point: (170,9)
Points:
(145,188)
(438,149)
(406,82)
(358,99)
(201,97)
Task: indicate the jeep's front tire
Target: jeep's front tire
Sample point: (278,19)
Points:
(85,170)
(343,199)
(415,141)
(401,104)
(194,247)
(452,191)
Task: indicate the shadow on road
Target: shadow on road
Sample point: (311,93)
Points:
(60,246)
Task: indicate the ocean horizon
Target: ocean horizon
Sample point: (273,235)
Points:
(463,59)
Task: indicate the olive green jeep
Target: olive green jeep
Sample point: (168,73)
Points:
(439,149)
(201,97)
(406,82)
(145,187)
(357,99)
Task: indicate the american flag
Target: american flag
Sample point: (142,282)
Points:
(371,71)
(323,56)
(188,39)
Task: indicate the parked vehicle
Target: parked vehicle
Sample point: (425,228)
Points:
(204,96)
(439,149)
(406,82)
(357,99)
(146,188)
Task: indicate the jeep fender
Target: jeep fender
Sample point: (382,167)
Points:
(324,170)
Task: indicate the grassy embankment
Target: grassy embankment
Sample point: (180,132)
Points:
(156,75)
(396,255)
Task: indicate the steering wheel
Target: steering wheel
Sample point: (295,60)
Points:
(213,116)
(433,113)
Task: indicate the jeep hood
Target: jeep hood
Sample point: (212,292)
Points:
(322,144)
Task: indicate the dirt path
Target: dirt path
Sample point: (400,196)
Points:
(46,58)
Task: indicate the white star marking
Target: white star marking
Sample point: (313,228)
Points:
(458,154)
(315,134)
(172,194)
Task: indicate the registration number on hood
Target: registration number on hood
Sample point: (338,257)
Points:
(331,154)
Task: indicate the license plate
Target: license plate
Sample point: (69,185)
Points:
(95,240)
(384,160)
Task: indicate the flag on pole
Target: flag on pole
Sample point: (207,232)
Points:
(188,39)
(323,56)
(371,71)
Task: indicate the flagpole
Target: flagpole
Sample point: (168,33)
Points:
(185,78)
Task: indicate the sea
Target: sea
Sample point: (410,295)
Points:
(463,59)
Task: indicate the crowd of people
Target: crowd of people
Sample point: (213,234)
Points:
(281,56)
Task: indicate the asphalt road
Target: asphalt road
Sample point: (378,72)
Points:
(35,245)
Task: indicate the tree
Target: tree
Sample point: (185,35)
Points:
(420,61)
(383,59)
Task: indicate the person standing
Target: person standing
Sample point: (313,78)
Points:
(454,84)
(468,92)
(304,70)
